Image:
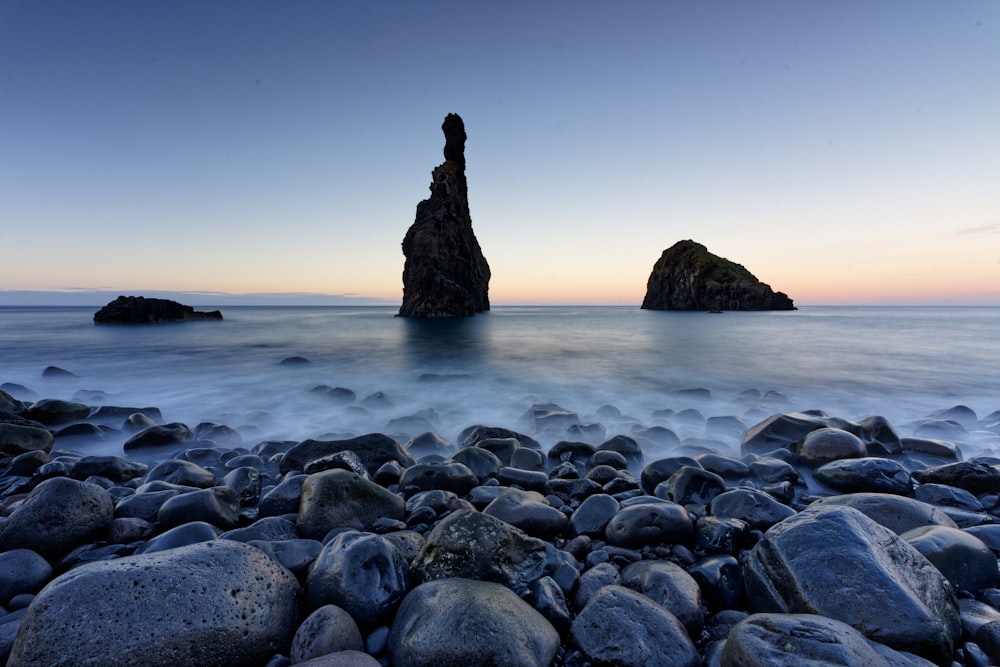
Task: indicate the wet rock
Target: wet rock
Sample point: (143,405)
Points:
(465,622)
(445,273)
(897,513)
(621,627)
(361,573)
(22,571)
(471,545)
(691,485)
(373,449)
(976,477)
(160,436)
(16,439)
(483,463)
(470,436)
(218,506)
(338,498)
(795,640)
(594,578)
(806,563)
(58,515)
(53,412)
(430,443)
(830,444)
(961,557)
(670,586)
(646,524)
(549,600)
(720,578)
(877,432)
(270,529)
(453,476)
(720,535)
(592,516)
(528,511)
(931,451)
(758,509)
(296,555)
(114,468)
(329,629)
(283,498)
(625,446)
(205,604)
(688,277)
(192,532)
(183,473)
(575,452)
(781,431)
(868,474)
(143,506)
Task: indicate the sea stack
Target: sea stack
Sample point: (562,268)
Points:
(445,274)
(688,277)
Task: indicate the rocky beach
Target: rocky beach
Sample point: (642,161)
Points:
(753,538)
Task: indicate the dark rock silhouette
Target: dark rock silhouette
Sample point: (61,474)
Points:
(140,310)
(688,277)
(445,274)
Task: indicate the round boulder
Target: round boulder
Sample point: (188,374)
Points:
(329,629)
(338,498)
(465,623)
(836,562)
(58,515)
(621,627)
(802,640)
(962,558)
(206,604)
(830,444)
(649,523)
(362,573)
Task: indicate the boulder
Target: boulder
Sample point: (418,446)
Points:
(805,640)
(327,630)
(140,310)
(528,511)
(212,603)
(463,623)
(445,273)
(976,477)
(961,557)
(897,513)
(363,574)
(374,450)
(622,627)
(22,571)
(836,562)
(867,474)
(670,586)
(58,515)
(688,277)
(472,545)
(338,498)
(18,439)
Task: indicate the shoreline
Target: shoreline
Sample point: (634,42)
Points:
(594,534)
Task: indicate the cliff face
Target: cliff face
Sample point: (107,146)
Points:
(688,277)
(445,273)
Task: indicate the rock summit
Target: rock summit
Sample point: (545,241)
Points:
(445,274)
(688,277)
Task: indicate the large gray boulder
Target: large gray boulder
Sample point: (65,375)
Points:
(622,627)
(20,438)
(836,562)
(362,573)
(688,277)
(338,498)
(213,603)
(471,545)
(806,640)
(58,515)
(465,623)
(445,273)
(897,513)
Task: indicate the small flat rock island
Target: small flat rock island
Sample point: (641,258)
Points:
(140,310)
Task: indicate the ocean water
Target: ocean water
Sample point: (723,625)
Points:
(899,362)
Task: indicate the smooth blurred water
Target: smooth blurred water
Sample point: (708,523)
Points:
(899,362)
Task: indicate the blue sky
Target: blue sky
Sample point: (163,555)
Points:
(844,152)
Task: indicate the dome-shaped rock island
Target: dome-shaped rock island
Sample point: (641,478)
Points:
(688,277)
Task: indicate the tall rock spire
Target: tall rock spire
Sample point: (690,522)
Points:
(445,273)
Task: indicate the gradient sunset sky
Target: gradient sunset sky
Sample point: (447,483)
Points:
(844,152)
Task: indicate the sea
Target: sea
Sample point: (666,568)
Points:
(621,368)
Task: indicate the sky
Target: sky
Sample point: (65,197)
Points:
(845,152)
